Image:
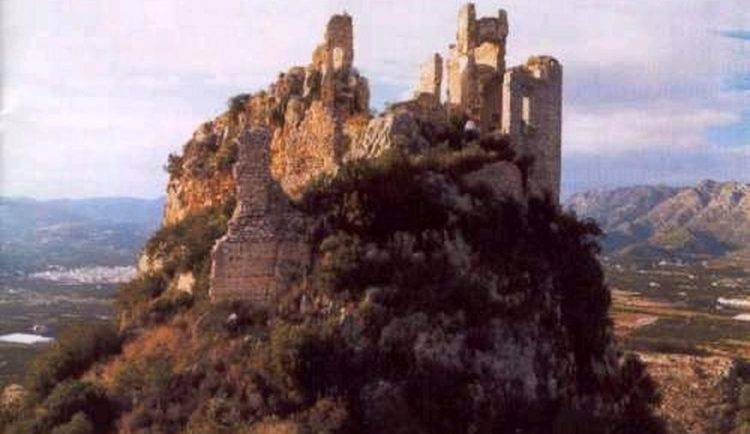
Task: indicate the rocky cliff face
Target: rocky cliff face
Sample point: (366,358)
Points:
(711,218)
(313,114)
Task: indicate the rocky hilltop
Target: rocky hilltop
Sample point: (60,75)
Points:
(322,269)
(710,219)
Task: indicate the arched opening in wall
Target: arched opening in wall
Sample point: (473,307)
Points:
(338,58)
(526,125)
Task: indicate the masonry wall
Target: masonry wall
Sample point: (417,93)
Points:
(264,248)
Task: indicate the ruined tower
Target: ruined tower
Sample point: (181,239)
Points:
(430,78)
(524,102)
(265,244)
(331,71)
(475,67)
(532,118)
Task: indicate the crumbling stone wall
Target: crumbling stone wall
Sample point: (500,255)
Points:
(265,245)
(303,151)
(296,131)
(524,103)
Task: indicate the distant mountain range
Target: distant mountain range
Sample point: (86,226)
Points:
(710,219)
(707,220)
(36,234)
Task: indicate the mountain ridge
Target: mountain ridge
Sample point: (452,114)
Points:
(74,232)
(709,219)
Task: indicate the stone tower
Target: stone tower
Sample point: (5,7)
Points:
(430,78)
(332,68)
(524,102)
(532,118)
(475,67)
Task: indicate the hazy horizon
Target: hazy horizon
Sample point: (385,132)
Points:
(94,97)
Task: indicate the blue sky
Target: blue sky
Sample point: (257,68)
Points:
(95,95)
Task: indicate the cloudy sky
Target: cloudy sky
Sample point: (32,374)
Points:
(96,94)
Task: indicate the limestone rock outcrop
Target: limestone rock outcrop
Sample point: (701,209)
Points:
(392,130)
(311,113)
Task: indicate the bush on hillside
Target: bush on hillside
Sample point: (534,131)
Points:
(77,348)
(74,397)
(79,424)
(420,284)
(72,407)
(236,104)
(181,247)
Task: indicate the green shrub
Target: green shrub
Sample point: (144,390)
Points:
(138,291)
(146,377)
(181,247)
(174,165)
(236,104)
(77,348)
(79,424)
(186,244)
(73,403)
(169,304)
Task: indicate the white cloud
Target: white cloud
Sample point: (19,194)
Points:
(660,127)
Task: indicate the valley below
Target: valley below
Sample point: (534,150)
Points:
(678,316)
(688,322)
(33,309)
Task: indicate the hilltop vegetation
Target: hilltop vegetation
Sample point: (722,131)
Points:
(428,296)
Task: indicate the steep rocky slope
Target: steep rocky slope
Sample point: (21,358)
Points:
(710,219)
(434,305)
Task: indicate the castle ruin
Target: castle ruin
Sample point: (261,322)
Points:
(315,118)
(523,102)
